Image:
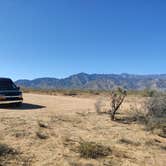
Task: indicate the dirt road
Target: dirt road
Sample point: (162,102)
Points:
(42,105)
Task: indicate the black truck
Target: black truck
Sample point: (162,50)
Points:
(9,92)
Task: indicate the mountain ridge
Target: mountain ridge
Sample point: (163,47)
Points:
(98,82)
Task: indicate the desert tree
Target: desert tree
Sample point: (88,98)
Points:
(116,100)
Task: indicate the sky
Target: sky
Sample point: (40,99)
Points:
(58,38)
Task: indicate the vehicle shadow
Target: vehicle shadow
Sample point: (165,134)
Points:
(24,106)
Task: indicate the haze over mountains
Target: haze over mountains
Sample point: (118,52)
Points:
(98,82)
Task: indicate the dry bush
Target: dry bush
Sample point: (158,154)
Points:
(6,150)
(12,157)
(7,155)
(116,99)
(152,114)
(138,114)
(93,150)
(156,106)
(156,114)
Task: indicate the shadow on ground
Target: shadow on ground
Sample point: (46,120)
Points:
(24,106)
(126,120)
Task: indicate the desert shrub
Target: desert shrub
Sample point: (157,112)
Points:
(93,150)
(71,93)
(7,154)
(149,93)
(138,114)
(10,157)
(93,92)
(156,106)
(155,114)
(143,93)
(6,150)
(152,114)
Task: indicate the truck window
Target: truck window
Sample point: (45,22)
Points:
(7,85)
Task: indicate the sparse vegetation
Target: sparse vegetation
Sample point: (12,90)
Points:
(152,114)
(93,150)
(65,92)
(116,99)
(8,155)
(52,134)
(149,93)
(71,93)
(156,114)
(156,106)
(6,150)
(129,142)
(138,114)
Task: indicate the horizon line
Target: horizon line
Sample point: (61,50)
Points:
(131,74)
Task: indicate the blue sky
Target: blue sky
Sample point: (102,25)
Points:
(57,38)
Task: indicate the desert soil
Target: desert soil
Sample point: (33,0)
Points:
(46,130)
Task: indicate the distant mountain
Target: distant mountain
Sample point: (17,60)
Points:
(98,82)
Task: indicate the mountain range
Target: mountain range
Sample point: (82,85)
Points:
(98,82)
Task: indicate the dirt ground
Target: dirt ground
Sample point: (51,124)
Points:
(46,131)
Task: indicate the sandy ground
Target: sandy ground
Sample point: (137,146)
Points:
(68,120)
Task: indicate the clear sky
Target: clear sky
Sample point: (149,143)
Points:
(57,38)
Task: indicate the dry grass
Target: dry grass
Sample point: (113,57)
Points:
(10,156)
(93,150)
(129,142)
